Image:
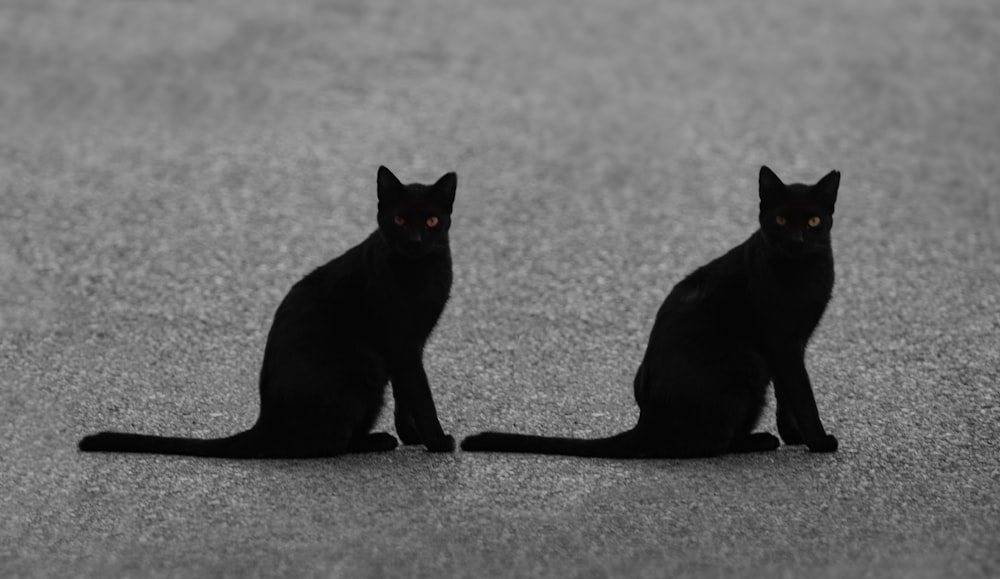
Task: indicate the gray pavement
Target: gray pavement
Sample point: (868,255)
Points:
(169,169)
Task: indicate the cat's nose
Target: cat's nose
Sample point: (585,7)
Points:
(796,236)
(414,238)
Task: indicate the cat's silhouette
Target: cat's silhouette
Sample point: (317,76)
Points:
(722,335)
(339,336)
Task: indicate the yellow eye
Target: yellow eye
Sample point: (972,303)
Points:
(780,220)
(813,222)
(398,220)
(432,221)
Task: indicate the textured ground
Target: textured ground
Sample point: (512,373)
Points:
(169,169)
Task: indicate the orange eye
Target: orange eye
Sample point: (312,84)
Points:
(398,220)
(780,220)
(432,221)
(813,222)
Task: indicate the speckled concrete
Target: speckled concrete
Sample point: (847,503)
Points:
(169,169)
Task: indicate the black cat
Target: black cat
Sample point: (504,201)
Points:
(723,334)
(339,336)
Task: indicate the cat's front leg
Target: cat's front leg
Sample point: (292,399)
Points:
(787,427)
(406,426)
(794,393)
(411,388)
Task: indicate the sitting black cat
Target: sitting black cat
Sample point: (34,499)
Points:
(339,336)
(723,334)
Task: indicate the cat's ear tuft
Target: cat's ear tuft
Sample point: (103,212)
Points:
(445,188)
(770,185)
(388,184)
(827,188)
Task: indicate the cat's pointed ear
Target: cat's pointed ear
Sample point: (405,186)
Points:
(826,188)
(444,189)
(771,186)
(389,186)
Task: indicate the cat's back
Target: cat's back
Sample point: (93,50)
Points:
(330,293)
(708,306)
(720,284)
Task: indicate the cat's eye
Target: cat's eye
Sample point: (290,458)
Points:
(780,220)
(432,221)
(813,222)
(398,220)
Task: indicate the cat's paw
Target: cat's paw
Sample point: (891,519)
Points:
(756,442)
(790,435)
(373,442)
(764,441)
(827,443)
(382,441)
(444,444)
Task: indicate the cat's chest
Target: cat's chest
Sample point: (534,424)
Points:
(791,302)
(411,300)
(419,288)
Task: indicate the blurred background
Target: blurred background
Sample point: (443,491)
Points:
(168,169)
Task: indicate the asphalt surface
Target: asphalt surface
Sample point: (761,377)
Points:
(169,169)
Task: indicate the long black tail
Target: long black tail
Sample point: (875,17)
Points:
(243,445)
(627,444)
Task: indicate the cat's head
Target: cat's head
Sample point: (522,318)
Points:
(414,219)
(796,218)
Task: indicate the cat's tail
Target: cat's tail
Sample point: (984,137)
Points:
(627,444)
(243,445)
